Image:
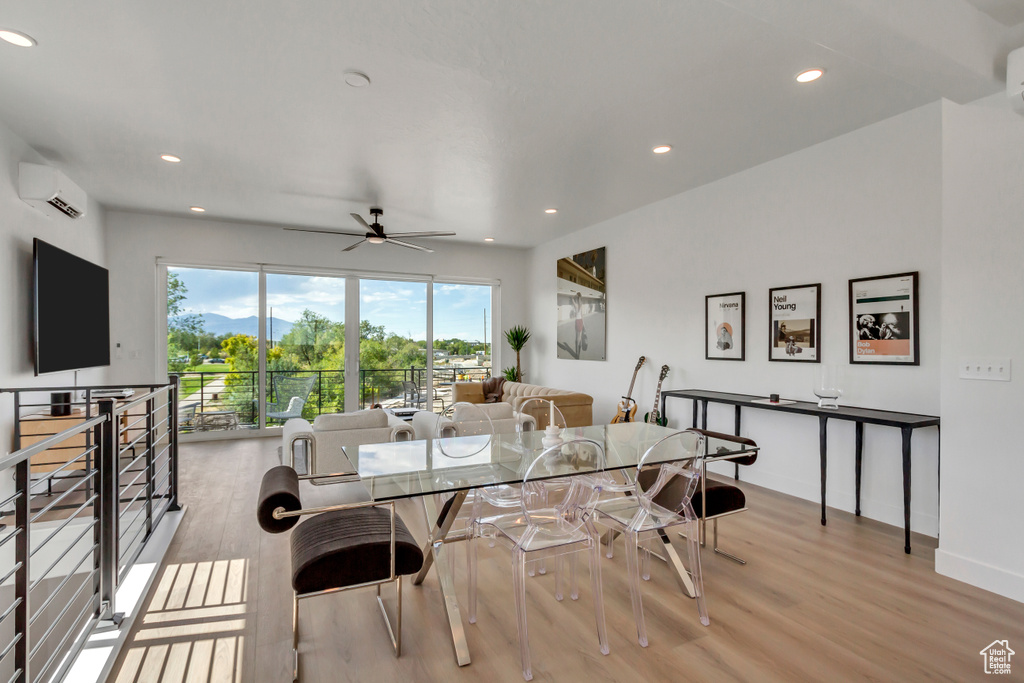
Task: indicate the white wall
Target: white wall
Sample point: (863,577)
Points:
(136,240)
(983,278)
(20,223)
(867,203)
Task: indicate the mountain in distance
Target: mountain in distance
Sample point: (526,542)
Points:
(218,325)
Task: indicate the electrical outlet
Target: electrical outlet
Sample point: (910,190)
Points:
(134,355)
(993,369)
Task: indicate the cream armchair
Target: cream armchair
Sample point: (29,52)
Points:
(334,431)
(502,419)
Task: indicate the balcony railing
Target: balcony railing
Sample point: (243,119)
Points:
(213,401)
(89,487)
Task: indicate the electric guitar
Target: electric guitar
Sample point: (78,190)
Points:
(627,406)
(654,417)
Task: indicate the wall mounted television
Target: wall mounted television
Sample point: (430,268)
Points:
(71,307)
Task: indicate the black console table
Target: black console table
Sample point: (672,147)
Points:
(907,422)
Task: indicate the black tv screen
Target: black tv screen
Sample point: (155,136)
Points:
(72,310)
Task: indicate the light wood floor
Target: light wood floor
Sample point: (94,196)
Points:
(813,603)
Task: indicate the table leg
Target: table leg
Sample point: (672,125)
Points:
(823,446)
(682,576)
(694,425)
(736,474)
(858,459)
(432,555)
(907,432)
(704,417)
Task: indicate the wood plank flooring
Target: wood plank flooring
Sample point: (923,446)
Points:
(813,603)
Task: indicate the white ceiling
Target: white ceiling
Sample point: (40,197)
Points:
(481,114)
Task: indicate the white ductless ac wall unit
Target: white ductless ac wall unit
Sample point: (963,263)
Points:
(50,191)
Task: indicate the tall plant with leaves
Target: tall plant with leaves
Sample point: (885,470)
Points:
(517,337)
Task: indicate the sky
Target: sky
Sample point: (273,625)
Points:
(400,307)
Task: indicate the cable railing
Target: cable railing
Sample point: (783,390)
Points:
(85,500)
(224,400)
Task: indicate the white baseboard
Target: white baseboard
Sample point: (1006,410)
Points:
(980,574)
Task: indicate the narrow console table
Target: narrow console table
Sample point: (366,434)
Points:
(907,422)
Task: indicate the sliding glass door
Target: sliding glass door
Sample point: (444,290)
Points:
(462,337)
(212,328)
(254,348)
(392,344)
(305,332)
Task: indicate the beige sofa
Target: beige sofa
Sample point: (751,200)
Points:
(332,432)
(576,408)
(497,418)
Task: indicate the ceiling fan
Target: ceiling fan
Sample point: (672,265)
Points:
(375,233)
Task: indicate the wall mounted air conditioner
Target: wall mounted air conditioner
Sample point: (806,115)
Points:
(50,191)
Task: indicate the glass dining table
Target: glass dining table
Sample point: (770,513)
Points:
(454,466)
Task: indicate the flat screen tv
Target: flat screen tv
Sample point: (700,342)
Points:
(71,307)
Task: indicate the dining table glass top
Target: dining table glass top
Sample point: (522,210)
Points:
(414,468)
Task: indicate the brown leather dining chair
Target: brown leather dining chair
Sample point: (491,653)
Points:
(714,499)
(356,543)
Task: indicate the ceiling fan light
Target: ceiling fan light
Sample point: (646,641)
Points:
(375,240)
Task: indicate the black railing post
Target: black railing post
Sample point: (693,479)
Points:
(173,451)
(319,392)
(107,504)
(150,482)
(362,389)
(22,577)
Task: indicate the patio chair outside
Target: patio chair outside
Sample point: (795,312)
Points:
(290,395)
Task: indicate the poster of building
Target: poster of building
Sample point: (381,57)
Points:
(794,330)
(581,306)
(883,320)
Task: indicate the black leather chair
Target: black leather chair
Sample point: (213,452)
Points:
(356,543)
(714,499)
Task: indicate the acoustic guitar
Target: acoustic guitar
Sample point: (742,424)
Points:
(627,406)
(655,417)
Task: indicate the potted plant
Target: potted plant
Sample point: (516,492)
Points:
(517,338)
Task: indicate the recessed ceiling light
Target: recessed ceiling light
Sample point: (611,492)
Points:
(662,149)
(488,239)
(550,210)
(357,79)
(809,75)
(16,38)
(170,158)
(197,209)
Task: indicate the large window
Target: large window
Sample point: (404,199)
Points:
(212,328)
(243,364)
(305,334)
(392,344)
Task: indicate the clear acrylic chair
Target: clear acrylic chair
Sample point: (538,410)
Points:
(677,458)
(537,529)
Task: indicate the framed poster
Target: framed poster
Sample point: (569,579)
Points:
(724,329)
(794,324)
(884,321)
(581,297)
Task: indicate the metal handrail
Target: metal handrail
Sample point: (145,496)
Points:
(46,444)
(40,624)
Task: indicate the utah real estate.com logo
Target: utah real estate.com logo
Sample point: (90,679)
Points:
(997,657)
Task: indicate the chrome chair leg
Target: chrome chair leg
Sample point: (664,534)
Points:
(714,532)
(295,636)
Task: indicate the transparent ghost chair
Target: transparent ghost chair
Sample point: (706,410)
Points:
(677,459)
(537,529)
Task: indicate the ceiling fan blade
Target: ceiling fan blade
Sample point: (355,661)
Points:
(407,245)
(421,234)
(353,246)
(328,232)
(361,221)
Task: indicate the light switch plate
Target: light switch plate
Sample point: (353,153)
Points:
(993,369)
